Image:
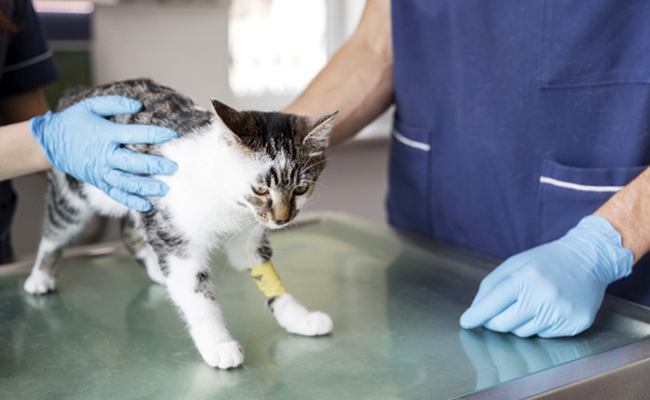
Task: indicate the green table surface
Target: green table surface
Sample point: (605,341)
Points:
(109,333)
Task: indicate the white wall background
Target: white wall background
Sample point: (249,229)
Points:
(185,45)
(184,48)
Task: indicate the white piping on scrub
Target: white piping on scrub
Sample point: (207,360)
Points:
(581,188)
(411,142)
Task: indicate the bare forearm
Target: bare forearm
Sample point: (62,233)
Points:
(358,80)
(20,154)
(629,212)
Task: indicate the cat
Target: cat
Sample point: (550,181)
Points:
(240,174)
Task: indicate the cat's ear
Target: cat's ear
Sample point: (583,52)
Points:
(235,120)
(319,135)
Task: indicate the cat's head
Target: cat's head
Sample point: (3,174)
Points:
(289,156)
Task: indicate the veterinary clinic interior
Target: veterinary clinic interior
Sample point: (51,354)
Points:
(324,199)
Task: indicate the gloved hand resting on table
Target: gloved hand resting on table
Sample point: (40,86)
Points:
(81,142)
(554,289)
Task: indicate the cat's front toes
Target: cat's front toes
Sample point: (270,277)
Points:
(223,355)
(314,324)
(39,282)
(295,318)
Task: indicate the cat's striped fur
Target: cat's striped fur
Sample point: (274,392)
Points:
(240,174)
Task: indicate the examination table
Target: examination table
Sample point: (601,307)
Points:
(395,299)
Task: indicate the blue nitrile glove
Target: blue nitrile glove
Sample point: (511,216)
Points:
(554,289)
(81,142)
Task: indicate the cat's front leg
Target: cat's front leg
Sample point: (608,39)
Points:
(133,236)
(189,288)
(288,312)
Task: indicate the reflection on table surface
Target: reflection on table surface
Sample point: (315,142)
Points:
(111,334)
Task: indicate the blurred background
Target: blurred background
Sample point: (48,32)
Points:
(251,54)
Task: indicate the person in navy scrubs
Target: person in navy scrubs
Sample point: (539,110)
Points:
(521,131)
(26,67)
(78,141)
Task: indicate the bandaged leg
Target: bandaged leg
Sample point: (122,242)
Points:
(290,314)
(267,280)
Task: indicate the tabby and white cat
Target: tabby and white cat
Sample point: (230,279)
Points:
(239,175)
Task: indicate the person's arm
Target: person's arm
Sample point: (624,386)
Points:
(358,80)
(20,153)
(556,289)
(82,142)
(629,213)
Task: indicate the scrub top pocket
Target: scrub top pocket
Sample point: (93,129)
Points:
(596,42)
(566,194)
(409,179)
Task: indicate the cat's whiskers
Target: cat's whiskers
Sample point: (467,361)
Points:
(249,241)
(246,224)
(312,200)
(309,167)
(310,203)
(321,184)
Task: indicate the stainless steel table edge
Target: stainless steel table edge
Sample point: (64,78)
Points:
(74,253)
(621,373)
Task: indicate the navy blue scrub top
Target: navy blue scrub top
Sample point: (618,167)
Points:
(514,119)
(26,64)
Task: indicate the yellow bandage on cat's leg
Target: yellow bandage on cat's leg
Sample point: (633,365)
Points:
(290,314)
(267,280)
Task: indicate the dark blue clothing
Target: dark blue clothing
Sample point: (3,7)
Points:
(514,119)
(26,64)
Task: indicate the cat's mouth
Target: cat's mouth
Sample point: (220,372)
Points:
(272,222)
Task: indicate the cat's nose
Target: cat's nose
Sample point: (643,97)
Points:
(281,222)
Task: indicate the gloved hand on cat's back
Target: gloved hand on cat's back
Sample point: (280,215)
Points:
(554,289)
(81,142)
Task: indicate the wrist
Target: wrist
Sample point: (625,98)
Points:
(614,261)
(629,213)
(37,128)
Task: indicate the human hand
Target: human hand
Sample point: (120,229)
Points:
(554,289)
(81,142)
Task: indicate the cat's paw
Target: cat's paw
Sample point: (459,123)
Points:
(222,355)
(295,318)
(39,282)
(314,324)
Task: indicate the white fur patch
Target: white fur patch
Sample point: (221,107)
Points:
(39,282)
(224,175)
(295,318)
(103,204)
(203,315)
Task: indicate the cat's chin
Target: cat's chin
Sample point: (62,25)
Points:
(270,225)
(274,227)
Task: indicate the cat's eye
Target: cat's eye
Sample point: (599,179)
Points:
(260,191)
(300,190)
